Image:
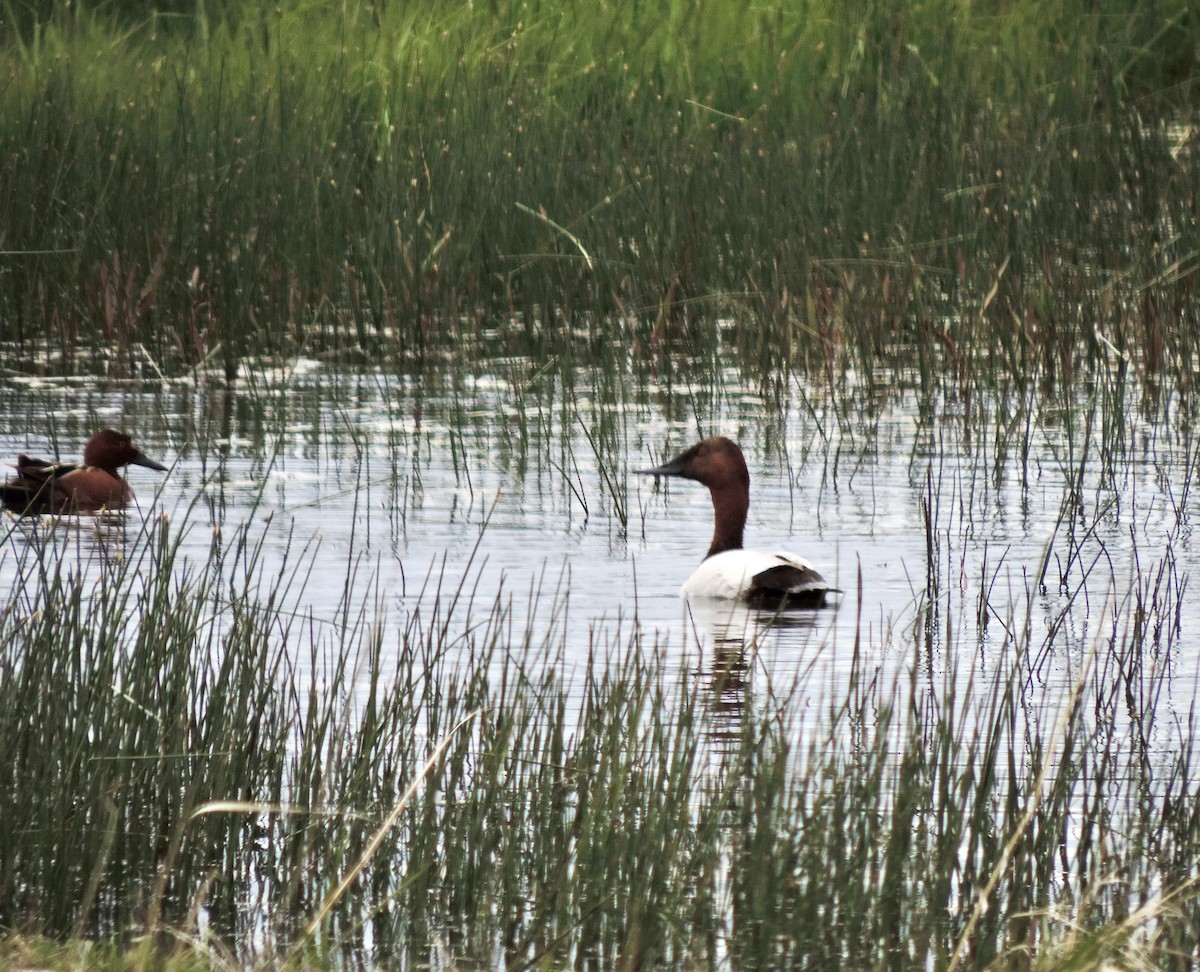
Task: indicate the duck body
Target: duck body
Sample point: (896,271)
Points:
(729,571)
(769,579)
(41,486)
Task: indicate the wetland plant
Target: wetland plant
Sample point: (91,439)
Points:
(968,192)
(193,761)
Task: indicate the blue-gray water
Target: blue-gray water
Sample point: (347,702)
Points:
(1041,530)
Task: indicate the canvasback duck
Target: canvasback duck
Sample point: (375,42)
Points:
(729,571)
(41,486)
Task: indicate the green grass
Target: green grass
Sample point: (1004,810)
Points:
(175,738)
(973,190)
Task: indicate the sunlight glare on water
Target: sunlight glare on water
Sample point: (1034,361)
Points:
(952,531)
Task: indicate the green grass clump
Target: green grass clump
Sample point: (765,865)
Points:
(1001,189)
(192,763)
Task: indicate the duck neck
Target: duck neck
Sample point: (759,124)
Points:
(729,508)
(97,459)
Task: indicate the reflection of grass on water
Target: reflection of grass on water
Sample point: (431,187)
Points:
(985,189)
(187,756)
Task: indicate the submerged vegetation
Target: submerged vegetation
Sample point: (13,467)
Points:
(971,189)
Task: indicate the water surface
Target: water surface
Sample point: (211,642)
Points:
(958,527)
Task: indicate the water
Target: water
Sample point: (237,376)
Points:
(973,535)
(975,523)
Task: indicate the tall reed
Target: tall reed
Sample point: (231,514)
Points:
(962,189)
(185,751)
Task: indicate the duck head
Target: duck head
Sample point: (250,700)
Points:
(110,450)
(718,463)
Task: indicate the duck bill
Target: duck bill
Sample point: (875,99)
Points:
(672,468)
(141,460)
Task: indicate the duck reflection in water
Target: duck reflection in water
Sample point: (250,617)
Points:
(738,631)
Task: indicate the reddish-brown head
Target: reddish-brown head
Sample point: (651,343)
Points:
(110,450)
(718,463)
